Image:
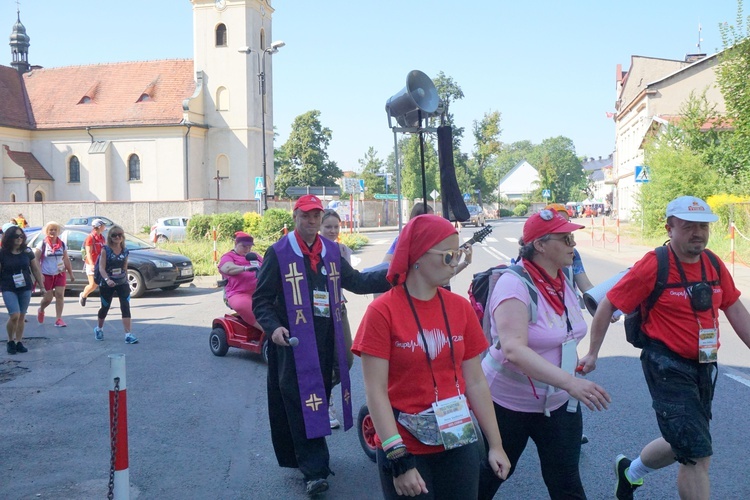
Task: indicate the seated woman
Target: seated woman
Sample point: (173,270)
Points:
(420,346)
(241,278)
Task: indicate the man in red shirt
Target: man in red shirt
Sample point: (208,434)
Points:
(681,335)
(93,245)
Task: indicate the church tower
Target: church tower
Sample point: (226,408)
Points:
(230,37)
(19,46)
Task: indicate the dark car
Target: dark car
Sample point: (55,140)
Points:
(85,220)
(149,268)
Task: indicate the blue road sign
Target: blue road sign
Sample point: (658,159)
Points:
(258,188)
(642,174)
(361,185)
(467,197)
(546,193)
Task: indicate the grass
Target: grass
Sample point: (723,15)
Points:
(201,253)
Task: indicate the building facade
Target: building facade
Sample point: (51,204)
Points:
(143,131)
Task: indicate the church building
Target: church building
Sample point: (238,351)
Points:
(143,131)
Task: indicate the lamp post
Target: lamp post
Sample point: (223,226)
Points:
(261,55)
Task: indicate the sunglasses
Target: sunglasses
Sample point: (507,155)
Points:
(568,239)
(450,257)
(19,236)
(117,235)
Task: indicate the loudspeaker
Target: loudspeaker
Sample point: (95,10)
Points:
(594,295)
(419,95)
(454,208)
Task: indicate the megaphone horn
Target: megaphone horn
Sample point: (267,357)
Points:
(419,95)
(592,298)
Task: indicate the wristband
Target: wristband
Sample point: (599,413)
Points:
(400,465)
(390,440)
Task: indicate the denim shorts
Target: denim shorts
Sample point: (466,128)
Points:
(17,302)
(681,391)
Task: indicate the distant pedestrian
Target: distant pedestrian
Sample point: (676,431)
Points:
(20,220)
(92,246)
(17,263)
(113,268)
(53,259)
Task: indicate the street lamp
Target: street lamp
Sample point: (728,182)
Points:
(261,55)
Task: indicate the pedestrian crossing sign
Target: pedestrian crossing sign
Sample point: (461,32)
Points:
(641,174)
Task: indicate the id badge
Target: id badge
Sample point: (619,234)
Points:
(19,280)
(568,364)
(454,422)
(60,267)
(321,306)
(708,345)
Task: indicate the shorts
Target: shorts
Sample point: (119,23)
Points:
(90,269)
(682,391)
(52,281)
(17,302)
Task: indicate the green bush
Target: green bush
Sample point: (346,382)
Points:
(273,223)
(504,212)
(227,224)
(520,210)
(198,227)
(354,241)
(251,223)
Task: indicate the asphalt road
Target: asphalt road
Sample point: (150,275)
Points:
(198,426)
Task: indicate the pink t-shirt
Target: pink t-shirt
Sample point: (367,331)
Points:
(545,338)
(246,282)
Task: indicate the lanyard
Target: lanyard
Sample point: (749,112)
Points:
(562,298)
(685,283)
(424,340)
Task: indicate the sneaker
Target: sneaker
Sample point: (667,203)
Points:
(82,299)
(20,347)
(335,424)
(130,339)
(315,486)
(40,316)
(60,323)
(98,333)
(624,488)
(11,347)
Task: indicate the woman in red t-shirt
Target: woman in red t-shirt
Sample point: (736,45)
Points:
(420,346)
(92,245)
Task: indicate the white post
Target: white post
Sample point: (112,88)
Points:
(118,425)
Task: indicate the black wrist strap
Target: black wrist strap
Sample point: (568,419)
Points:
(400,465)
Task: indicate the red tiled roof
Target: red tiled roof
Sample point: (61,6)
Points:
(30,165)
(114,91)
(13,109)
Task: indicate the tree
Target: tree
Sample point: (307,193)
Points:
(411,170)
(303,159)
(559,168)
(487,146)
(373,169)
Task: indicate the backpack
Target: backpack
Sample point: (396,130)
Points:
(635,320)
(97,273)
(482,284)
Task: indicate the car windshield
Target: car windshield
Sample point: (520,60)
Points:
(133,243)
(473,209)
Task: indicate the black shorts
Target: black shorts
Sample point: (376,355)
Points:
(681,391)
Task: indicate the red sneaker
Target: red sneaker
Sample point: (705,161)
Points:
(40,316)
(60,323)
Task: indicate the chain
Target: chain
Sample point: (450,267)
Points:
(113,435)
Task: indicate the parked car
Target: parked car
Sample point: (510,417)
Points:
(477,215)
(149,268)
(87,219)
(169,229)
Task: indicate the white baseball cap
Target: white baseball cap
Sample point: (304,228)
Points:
(691,209)
(97,223)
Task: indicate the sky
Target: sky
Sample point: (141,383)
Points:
(547,66)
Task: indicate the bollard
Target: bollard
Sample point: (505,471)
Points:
(216,253)
(285,230)
(378,219)
(119,475)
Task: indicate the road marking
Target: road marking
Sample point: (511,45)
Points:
(496,253)
(512,240)
(736,375)
(382,241)
(490,239)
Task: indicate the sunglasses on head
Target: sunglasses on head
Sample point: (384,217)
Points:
(450,257)
(568,239)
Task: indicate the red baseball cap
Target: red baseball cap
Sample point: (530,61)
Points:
(546,222)
(308,202)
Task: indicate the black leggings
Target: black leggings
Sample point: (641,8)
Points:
(448,474)
(107,293)
(558,443)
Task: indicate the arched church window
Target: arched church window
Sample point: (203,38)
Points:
(221,35)
(222,99)
(38,196)
(74,169)
(134,168)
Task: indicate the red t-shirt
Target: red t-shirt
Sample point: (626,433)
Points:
(96,241)
(388,330)
(672,319)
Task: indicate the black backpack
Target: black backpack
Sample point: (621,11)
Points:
(635,320)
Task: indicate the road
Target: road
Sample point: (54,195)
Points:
(198,426)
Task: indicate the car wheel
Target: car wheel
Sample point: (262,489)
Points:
(162,239)
(264,350)
(135,281)
(366,431)
(217,341)
(170,288)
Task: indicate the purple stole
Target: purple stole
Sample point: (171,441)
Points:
(300,315)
